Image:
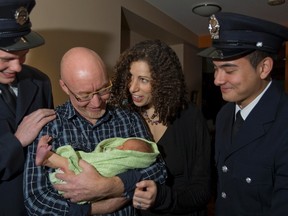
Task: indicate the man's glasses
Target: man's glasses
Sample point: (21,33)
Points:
(88,97)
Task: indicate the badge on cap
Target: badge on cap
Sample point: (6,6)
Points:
(21,15)
(214,27)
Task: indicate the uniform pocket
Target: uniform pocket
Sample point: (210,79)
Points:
(253,185)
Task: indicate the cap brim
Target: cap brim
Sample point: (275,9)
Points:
(221,54)
(28,41)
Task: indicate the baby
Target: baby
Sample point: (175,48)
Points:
(46,157)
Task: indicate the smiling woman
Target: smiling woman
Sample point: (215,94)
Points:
(149,79)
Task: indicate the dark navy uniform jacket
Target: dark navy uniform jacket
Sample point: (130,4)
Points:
(34,92)
(253,171)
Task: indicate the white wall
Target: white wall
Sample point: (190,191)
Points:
(97,24)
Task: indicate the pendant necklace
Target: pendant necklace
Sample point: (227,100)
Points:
(151,120)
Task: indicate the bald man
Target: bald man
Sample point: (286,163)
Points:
(82,122)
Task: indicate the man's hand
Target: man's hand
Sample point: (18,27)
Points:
(31,125)
(108,205)
(145,194)
(89,185)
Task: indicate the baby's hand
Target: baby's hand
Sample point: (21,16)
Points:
(43,148)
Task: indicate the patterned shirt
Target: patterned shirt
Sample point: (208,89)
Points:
(71,128)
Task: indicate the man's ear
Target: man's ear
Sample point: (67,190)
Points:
(265,67)
(64,87)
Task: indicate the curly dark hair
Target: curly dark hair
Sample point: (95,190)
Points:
(169,93)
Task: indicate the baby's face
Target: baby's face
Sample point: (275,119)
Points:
(135,145)
(128,145)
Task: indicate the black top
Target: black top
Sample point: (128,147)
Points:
(185,147)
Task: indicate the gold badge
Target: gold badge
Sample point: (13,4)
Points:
(21,15)
(214,27)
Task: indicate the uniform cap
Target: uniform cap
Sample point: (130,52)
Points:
(15,26)
(234,35)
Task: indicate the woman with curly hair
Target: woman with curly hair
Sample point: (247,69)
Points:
(149,79)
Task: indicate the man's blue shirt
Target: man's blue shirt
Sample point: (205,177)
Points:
(71,128)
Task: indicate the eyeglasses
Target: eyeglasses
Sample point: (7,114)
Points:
(88,97)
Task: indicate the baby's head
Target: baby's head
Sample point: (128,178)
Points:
(136,145)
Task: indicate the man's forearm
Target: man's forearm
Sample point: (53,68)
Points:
(115,189)
(108,205)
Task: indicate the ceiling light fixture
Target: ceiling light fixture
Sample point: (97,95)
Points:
(276,2)
(206,9)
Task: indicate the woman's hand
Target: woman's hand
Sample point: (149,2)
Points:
(145,194)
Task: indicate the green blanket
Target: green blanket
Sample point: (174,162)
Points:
(108,160)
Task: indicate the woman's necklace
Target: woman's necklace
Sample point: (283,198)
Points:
(150,120)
